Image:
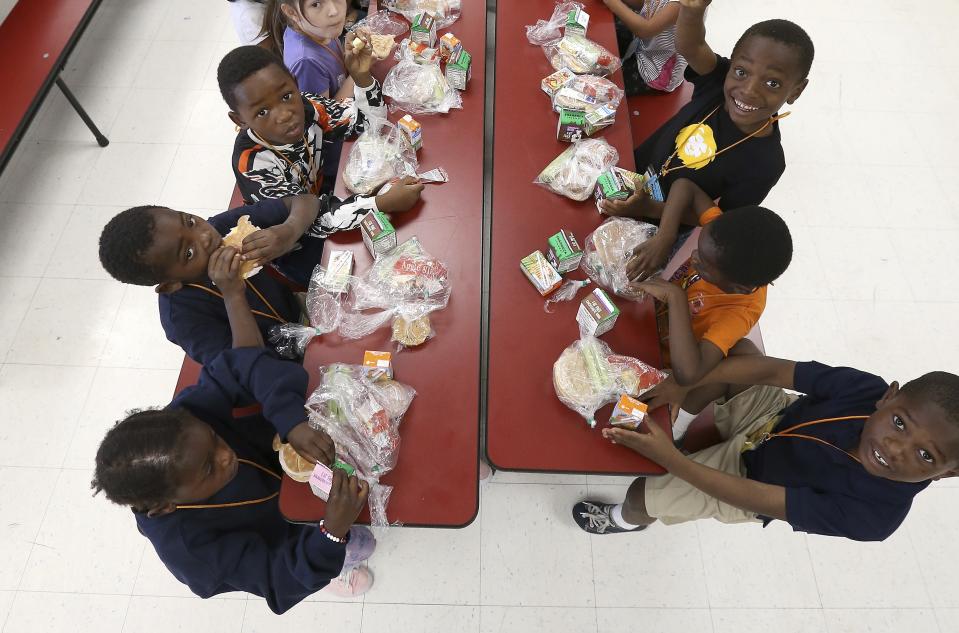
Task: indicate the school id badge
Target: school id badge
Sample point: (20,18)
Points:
(652,185)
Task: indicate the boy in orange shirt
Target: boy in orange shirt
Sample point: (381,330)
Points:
(714,299)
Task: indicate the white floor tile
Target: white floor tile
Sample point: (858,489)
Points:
(921,251)
(154,579)
(201,176)
(533,553)
(661,566)
(25,493)
(304,616)
(867,327)
(30,238)
(419,618)
(537,620)
(109,63)
(59,122)
(175,64)
(137,339)
(786,331)
(451,577)
(128,19)
(153,115)
(208,123)
(114,392)
(759,620)
(866,268)
(183,615)
(68,322)
(40,407)
(851,575)
(194,21)
(6,602)
(752,566)
(878,138)
(806,277)
(548,479)
(17,293)
(880,620)
(76,255)
(931,526)
(659,620)
(66,613)
(86,544)
(947,619)
(48,173)
(129,174)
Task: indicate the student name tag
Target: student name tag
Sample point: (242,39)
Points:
(653,186)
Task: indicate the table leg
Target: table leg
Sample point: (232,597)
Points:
(101,139)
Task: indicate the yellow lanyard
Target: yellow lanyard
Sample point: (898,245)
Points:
(205,506)
(667,169)
(275,316)
(766,433)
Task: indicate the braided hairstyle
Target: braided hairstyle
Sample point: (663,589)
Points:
(136,461)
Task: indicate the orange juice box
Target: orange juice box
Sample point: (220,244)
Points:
(449,44)
(378,364)
(412,130)
(540,272)
(629,413)
(551,84)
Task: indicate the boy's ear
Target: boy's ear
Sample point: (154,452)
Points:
(891,393)
(159,511)
(236,118)
(791,99)
(168,286)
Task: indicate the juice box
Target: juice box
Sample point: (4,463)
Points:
(378,364)
(412,130)
(339,267)
(612,184)
(321,479)
(449,44)
(598,118)
(576,22)
(571,126)
(378,234)
(564,251)
(629,413)
(551,84)
(423,30)
(540,272)
(458,69)
(597,313)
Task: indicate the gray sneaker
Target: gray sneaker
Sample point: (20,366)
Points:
(597,518)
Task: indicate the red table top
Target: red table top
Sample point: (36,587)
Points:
(32,38)
(436,480)
(528,428)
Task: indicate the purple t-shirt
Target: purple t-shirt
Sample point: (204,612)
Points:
(316,69)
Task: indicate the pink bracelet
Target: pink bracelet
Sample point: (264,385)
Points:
(326,533)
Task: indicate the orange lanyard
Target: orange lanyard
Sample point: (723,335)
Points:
(789,432)
(310,158)
(205,506)
(667,169)
(275,316)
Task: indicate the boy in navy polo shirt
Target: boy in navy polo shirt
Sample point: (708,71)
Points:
(845,459)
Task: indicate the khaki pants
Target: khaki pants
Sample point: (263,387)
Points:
(672,500)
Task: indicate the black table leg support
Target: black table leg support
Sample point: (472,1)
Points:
(101,139)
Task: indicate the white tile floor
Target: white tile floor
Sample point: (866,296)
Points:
(870,194)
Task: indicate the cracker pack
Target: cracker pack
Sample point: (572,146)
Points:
(540,273)
(597,313)
(378,234)
(551,84)
(564,251)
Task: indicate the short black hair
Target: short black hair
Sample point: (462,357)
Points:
(239,64)
(939,387)
(123,242)
(784,32)
(754,245)
(136,461)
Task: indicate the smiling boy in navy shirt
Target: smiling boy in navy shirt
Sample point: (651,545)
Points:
(845,459)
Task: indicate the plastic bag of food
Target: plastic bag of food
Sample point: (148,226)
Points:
(362,417)
(324,308)
(549,31)
(445,11)
(419,88)
(574,172)
(406,285)
(383,28)
(587,92)
(379,155)
(581,55)
(588,375)
(609,248)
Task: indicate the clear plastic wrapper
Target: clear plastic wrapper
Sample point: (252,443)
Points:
(588,375)
(379,155)
(382,23)
(581,55)
(546,32)
(419,88)
(566,292)
(362,416)
(324,308)
(445,11)
(405,285)
(587,92)
(608,249)
(574,172)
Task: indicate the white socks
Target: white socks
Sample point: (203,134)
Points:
(617,514)
(683,420)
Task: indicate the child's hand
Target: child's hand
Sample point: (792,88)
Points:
(359,62)
(401,197)
(648,257)
(696,5)
(312,444)
(631,207)
(654,444)
(661,290)
(347,498)
(267,244)
(224,269)
(668,393)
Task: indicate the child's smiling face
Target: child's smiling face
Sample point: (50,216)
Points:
(764,74)
(269,103)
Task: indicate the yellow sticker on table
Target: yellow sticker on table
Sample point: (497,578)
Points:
(696,145)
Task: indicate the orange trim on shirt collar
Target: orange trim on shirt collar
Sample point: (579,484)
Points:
(709,215)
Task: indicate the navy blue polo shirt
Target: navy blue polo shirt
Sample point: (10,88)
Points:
(827,491)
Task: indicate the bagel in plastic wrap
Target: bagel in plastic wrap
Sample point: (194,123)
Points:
(445,11)
(607,251)
(574,172)
(582,56)
(587,92)
(419,88)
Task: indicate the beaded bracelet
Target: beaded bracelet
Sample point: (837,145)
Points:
(335,539)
